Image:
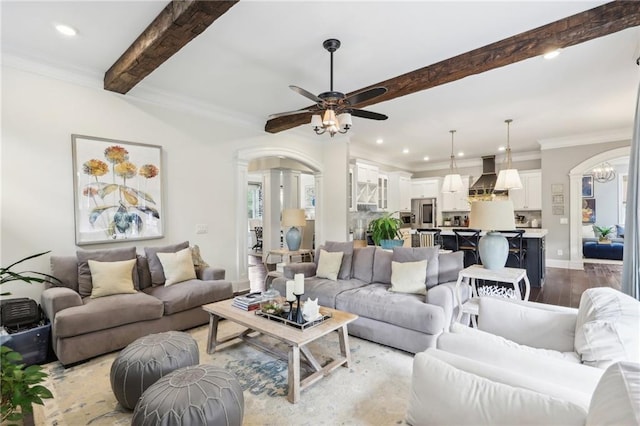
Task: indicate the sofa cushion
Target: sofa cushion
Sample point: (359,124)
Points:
(347,256)
(106,312)
(414,254)
(108,255)
(190,294)
(620,231)
(362,263)
(449,265)
(144,275)
(408,277)
(374,301)
(65,268)
(607,327)
(155,267)
(177,267)
(616,400)
(444,395)
(382,266)
(329,264)
(321,288)
(109,278)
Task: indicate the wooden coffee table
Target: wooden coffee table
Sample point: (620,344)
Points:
(295,339)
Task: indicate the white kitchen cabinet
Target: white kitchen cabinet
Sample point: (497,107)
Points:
(404,191)
(425,188)
(457,201)
(383,191)
(366,184)
(529,197)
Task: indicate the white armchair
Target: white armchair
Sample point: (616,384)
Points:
(531,363)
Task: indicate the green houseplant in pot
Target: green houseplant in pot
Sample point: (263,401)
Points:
(603,233)
(385,231)
(20,386)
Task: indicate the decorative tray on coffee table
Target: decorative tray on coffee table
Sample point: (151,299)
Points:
(282,319)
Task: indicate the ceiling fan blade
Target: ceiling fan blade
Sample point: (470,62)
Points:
(298,111)
(306,94)
(367,114)
(365,95)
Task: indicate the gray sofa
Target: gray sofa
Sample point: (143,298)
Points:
(411,322)
(84,327)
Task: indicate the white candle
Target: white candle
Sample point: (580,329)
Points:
(290,287)
(299,283)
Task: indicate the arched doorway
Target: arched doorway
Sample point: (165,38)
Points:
(243,158)
(575,202)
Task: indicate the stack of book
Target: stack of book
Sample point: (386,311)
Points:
(249,302)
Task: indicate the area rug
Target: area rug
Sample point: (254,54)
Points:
(374,390)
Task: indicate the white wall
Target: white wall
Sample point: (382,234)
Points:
(39,114)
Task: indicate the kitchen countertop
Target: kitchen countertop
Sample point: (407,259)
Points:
(529,232)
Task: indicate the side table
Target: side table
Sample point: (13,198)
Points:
(479,272)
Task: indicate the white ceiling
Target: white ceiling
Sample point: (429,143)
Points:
(244,62)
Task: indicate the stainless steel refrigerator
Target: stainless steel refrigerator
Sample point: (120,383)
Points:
(423,213)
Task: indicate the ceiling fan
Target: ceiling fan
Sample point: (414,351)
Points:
(333,110)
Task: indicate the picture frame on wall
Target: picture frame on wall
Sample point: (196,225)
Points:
(117,190)
(587,186)
(588,210)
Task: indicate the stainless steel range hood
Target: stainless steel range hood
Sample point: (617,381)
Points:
(487,181)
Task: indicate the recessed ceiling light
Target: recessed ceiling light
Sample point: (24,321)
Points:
(426,158)
(501,148)
(405,151)
(379,141)
(460,154)
(552,54)
(66,30)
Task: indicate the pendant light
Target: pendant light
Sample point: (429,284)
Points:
(604,173)
(508,178)
(452,181)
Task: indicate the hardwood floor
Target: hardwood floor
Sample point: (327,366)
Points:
(562,286)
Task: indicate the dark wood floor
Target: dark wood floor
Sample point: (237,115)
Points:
(562,286)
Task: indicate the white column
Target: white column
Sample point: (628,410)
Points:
(272,208)
(241,279)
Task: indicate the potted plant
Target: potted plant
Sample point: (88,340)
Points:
(603,233)
(20,385)
(385,231)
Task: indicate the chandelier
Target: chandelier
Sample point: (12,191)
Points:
(330,122)
(604,173)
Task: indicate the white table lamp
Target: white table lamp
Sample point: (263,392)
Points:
(293,218)
(490,216)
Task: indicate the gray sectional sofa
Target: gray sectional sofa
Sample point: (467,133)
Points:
(84,327)
(407,321)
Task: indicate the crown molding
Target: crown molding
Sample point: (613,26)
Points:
(614,135)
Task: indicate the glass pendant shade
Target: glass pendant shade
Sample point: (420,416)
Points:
(329,118)
(452,183)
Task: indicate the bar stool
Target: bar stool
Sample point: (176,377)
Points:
(516,249)
(467,240)
(436,233)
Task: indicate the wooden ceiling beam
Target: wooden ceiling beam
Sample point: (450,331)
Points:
(179,22)
(588,25)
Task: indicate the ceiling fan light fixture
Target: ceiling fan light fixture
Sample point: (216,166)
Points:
(329,118)
(345,121)
(452,181)
(508,178)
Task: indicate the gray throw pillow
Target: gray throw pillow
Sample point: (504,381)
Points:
(155,267)
(363,263)
(415,254)
(449,264)
(382,266)
(347,257)
(108,255)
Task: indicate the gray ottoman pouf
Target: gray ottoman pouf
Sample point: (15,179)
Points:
(147,359)
(199,395)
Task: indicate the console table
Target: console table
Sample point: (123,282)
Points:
(288,254)
(512,276)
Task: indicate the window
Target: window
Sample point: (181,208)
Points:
(254,201)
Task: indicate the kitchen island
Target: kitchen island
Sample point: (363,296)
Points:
(533,242)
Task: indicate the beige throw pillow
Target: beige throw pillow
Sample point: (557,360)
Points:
(109,278)
(329,264)
(409,277)
(177,266)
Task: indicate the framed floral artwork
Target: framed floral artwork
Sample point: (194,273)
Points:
(117,190)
